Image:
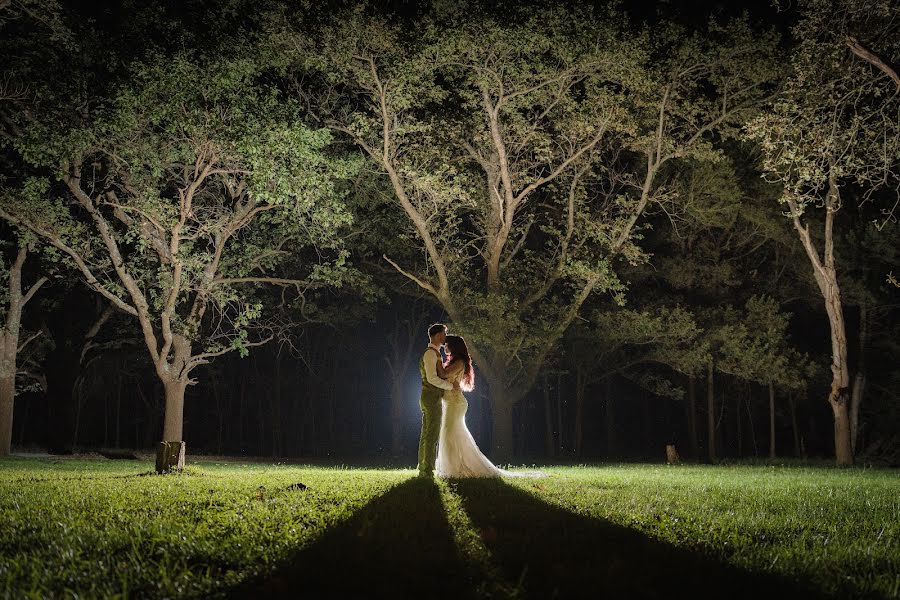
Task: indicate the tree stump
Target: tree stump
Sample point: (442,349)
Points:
(672,457)
(169,456)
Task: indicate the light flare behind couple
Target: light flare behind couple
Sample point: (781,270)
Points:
(445,444)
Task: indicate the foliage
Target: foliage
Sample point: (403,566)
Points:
(522,150)
(837,117)
(755,346)
(627,340)
(187,190)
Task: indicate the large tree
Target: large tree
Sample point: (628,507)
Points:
(522,152)
(833,137)
(182,195)
(13,298)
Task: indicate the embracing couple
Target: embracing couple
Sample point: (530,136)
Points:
(445,445)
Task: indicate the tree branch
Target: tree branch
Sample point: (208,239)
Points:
(867,55)
(33,290)
(425,286)
(57,243)
(28,341)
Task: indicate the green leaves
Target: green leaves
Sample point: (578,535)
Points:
(836,114)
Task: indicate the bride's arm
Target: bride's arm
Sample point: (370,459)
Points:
(454,371)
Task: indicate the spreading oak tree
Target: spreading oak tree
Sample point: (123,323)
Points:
(178,199)
(522,152)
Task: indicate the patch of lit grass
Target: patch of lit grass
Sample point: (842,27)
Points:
(104,528)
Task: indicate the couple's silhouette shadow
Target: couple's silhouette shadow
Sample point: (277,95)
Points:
(401,545)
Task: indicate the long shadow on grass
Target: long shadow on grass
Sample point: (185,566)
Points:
(397,546)
(557,553)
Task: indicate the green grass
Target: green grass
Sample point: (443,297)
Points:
(99,528)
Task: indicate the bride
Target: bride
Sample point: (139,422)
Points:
(458,454)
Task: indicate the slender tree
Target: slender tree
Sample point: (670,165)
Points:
(13,298)
(833,137)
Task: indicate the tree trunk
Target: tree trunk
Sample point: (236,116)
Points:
(825,273)
(580,386)
(771,421)
(710,415)
(692,418)
(859,381)
(842,449)
(170,451)
(9,346)
(794,429)
(169,457)
(502,431)
(549,446)
(750,420)
(174,418)
(7,397)
(838,398)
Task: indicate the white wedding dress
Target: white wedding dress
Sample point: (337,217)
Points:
(458,454)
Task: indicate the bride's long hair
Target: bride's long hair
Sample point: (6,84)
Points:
(459,351)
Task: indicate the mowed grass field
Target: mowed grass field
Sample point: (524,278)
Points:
(102,528)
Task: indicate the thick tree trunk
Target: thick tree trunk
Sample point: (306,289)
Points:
(692,418)
(771,421)
(7,397)
(170,451)
(838,398)
(502,431)
(169,457)
(842,448)
(174,418)
(174,375)
(710,415)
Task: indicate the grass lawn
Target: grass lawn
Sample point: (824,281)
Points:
(101,528)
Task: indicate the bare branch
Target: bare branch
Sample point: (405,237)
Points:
(425,286)
(870,57)
(33,290)
(57,243)
(28,341)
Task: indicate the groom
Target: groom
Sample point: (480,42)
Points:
(433,388)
